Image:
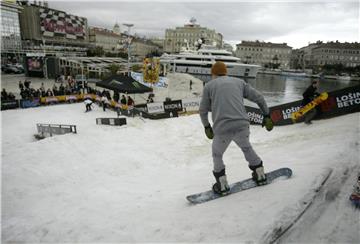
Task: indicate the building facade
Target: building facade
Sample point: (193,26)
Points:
(51,31)
(266,54)
(304,57)
(159,42)
(10,30)
(140,48)
(188,35)
(347,54)
(107,39)
(48,34)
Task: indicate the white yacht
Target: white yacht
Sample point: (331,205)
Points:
(199,62)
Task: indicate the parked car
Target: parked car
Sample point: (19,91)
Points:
(11,69)
(20,67)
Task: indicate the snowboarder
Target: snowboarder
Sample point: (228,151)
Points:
(88,102)
(223,95)
(191,83)
(309,95)
(104,102)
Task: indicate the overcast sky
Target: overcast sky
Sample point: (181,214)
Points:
(295,22)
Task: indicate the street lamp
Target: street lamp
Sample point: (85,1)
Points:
(128,44)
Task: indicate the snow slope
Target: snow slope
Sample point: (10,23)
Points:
(129,183)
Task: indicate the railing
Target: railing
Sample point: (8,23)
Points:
(55,129)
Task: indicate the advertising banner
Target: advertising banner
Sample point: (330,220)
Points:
(153,108)
(341,102)
(281,114)
(255,115)
(9,104)
(55,23)
(191,104)
(30,103)
(175,105)
(151,69)
(34,66)
(71,98)
(51,100)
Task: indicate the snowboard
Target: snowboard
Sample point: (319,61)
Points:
(298,114)
(239,186)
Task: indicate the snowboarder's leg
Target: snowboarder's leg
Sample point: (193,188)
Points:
(221,186)
(219,145)
(309,116)
(255,163)
(241,138)
(258,174)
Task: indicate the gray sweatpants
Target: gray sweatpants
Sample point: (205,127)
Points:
(241,138)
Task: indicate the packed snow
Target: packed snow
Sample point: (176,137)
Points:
(129,183)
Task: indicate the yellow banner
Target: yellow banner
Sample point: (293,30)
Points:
(151,70)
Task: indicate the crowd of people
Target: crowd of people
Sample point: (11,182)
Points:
(6,96)
(70,87)
(106,98)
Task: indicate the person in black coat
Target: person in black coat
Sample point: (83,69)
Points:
(123,100)
(116,97)
(4,95)
(309,95)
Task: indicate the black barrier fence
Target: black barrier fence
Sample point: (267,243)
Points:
(9,104)
(339,102)
(55,129)
(111,121)
(165,115)
(142,112)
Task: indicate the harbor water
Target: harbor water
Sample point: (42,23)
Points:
(280,89)
(277,89)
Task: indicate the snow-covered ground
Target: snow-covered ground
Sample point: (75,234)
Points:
(129,183)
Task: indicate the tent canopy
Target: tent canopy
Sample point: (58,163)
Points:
(123,84)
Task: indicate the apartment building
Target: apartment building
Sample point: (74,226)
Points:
(266,54)
(188,35)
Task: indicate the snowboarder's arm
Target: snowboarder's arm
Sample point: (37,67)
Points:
(204,109)
(256,97)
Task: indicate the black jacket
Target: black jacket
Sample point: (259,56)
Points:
(309,95)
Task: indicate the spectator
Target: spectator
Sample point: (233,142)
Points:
(309,95)
(61,89)
(150,98)
(55,90)
(42,87)
(4,95)
(49,93)
(21,85)
(107,94)
(27,84)
(123,100)
(130,102)
(104,102)
(116,97)
(11,96)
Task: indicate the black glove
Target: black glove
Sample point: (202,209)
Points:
(268,123)
(209,132)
